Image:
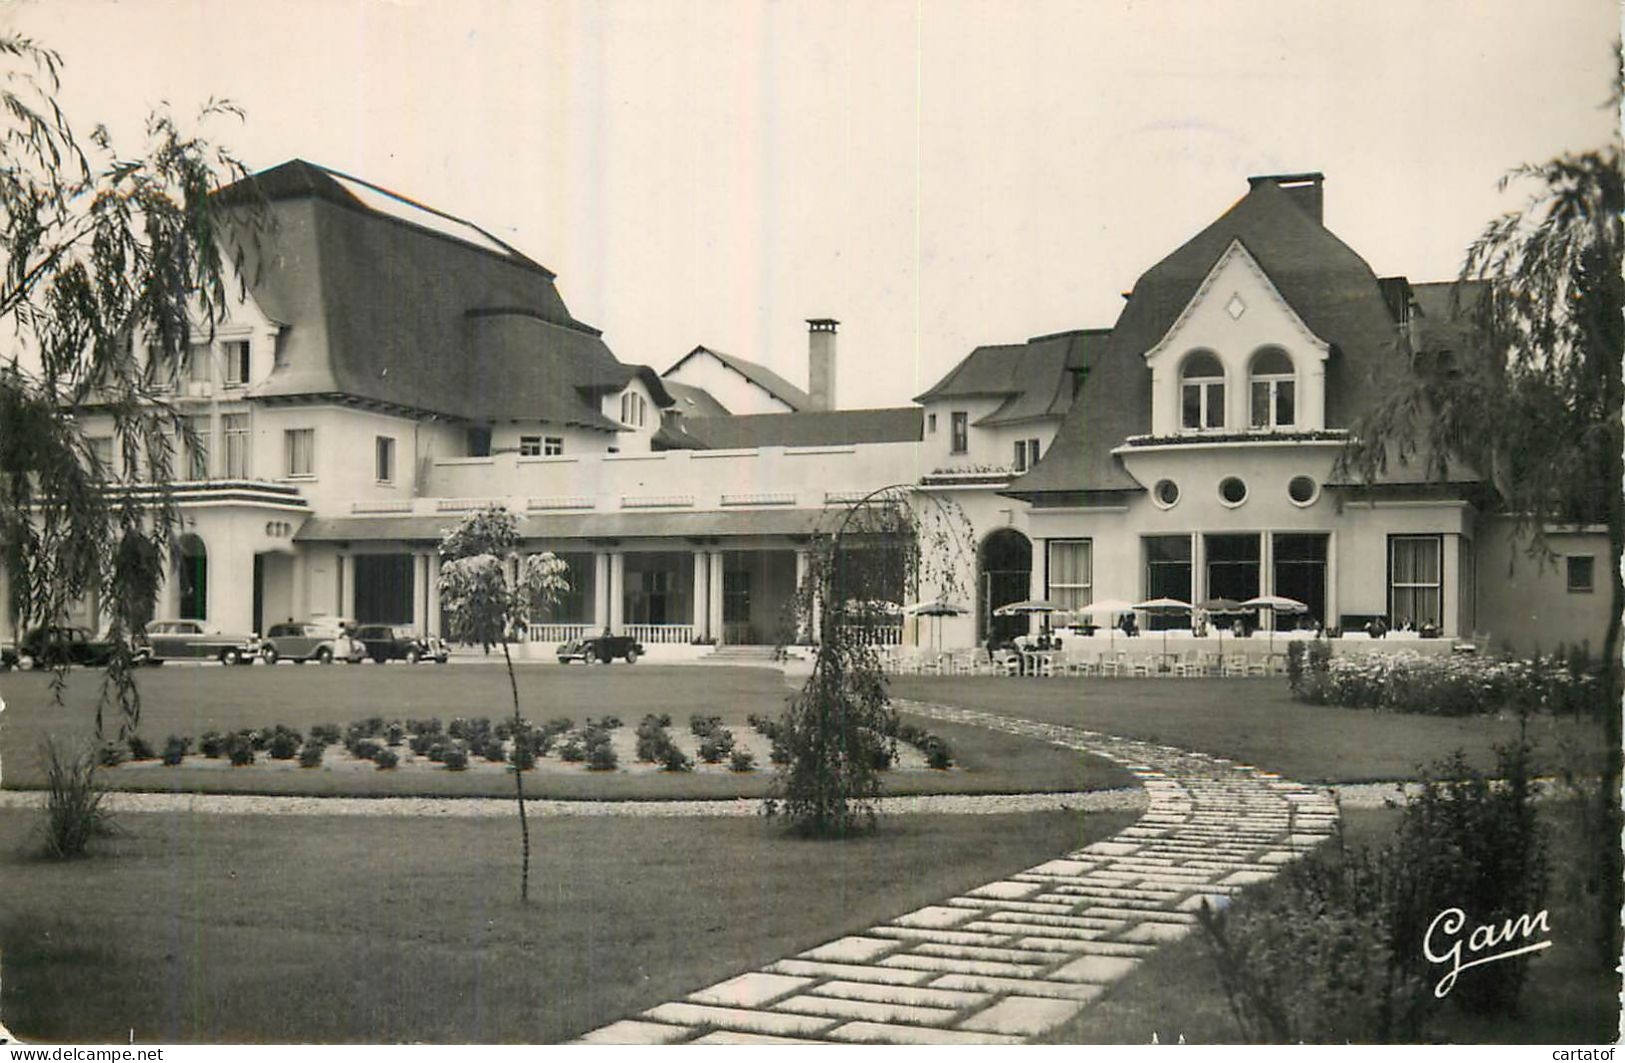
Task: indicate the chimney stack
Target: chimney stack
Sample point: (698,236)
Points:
(821,362)
(1305,189)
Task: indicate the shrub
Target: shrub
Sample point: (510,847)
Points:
(365,749)
(311,755)
(601,757)
(73,802)
(257,740)
(421,742)
(742,760)
(664,719)
(492,751)
(573,751)
(779,755)
(372,727)
(717,744)
(175,750)
(212,744)
(522,757)
(386,758)
(455,758)
(704,726)
(559,724)
(937,754)
(672,759)
(1447,685)
(610,723)
(326,734)
(111,755)
(395,733)
(240,749)
(139,748)
(284,745)
(431,726)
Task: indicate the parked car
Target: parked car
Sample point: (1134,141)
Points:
(190,640)
(9,657)
(401,642)
(601,648)
(55,644)
(322,641)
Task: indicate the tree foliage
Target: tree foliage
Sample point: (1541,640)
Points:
(98,248)
(489,592)
(839,726)
(1530,392)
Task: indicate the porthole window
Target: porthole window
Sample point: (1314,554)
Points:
(1232,490)
(1303,490)
(1165,494)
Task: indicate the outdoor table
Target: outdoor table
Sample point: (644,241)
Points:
(1030,660)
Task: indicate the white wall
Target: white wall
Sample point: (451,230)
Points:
(736,393)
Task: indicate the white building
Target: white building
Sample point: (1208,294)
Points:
(393,367)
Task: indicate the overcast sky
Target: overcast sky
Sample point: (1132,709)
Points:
(935,175)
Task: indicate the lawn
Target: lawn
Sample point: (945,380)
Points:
(210,928)
(192,700)
(1569,996)
(1257,722)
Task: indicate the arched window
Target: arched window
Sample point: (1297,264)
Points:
(1201,391)
(1274,389)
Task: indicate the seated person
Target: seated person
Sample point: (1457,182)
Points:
(1131,627)
(1238,630)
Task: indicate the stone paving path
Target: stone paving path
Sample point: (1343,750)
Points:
(1006,961)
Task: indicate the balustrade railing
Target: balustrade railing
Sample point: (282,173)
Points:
(558,632)
(661,634)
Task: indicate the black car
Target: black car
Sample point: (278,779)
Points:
(56,644)
(601,648)
(9,658)
(398,642)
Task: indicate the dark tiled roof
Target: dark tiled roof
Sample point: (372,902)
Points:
(1330,287)
(392,302)
(692,401)
(1034,378)
(760,375)
(901,424)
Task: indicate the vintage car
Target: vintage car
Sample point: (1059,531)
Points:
(401,642)
(9,657)
(601,648)
(322,641)
(56,644)
(190,640)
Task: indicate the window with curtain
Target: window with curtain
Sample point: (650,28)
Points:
(1416,579)
(197,448)
(299,446)
(1071,573)
(235,426)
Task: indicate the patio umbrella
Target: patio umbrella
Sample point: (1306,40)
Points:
(1030,607)
(1277,604)
(1163,607)
(1220,607)
(939,608)
(1108,607)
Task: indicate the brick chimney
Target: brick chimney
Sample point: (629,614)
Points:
(1305,189)
(821,362)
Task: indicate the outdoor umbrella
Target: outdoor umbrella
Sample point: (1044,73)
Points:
(1108,607)
(1278,604)
(1220,607)
(1164,607)
(1030,607)
(939,608)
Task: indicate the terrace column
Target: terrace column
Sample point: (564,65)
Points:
(802,563)
(701,615)
(600,589)
(433,605)
(617,591)
(420,592)
(299,599)
(714,596)
(346,604)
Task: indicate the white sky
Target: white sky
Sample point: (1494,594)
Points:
(935,176)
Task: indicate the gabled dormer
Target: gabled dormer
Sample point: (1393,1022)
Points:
(1237,359)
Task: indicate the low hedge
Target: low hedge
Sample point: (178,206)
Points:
(1443,685)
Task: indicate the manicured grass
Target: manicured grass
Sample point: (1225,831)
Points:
(1257,722)
(206,928)
(192,700)
(1569,996)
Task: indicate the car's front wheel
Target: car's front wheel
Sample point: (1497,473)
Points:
(413,656)
(268,655)
(230,656)
(324,655)
(632,655)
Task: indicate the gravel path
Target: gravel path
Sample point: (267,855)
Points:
(479,807)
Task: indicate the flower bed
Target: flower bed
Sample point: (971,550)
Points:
(1444,685)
